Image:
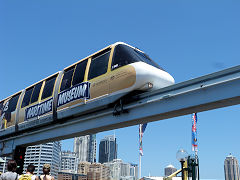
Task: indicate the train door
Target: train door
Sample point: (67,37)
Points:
(71,91)
(30,100)
(37,100)
(45,106)
(97,74)
(8,111)
(122,74)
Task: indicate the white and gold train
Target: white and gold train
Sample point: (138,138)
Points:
(116,69)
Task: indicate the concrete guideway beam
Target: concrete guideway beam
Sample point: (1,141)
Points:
(208,92)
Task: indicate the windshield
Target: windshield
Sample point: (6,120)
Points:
(124,55)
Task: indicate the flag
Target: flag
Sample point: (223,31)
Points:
(141,151)
(142,128)
(194,132)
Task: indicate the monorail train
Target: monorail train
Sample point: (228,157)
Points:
(116,69)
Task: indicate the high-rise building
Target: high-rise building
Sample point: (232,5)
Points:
(71,176)
(134,170)
(98,171)
(83,167)
(85,148)
(94,171)
(120,170)
(115,168)
(48,153)
(69,162)
(231,168)
(169,170)
(108,149)
(92,148)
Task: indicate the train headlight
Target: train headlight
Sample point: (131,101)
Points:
(146,86)
(150,85)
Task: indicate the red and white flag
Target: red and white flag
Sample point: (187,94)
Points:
(194,132)
(142,128)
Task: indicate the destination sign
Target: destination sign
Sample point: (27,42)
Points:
(79,91)
(39,109)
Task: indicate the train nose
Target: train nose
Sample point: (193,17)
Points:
(161,79)
(164,79)
(169,79)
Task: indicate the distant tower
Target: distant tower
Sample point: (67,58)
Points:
(108,149)
(92,148)
(85,148)
(231,168)
(169,170)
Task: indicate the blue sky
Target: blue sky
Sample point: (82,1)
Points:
(187,38)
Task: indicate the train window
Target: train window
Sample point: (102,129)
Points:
(124,55)
(13,103)
(145,58)
(67,79)
(79,72)
(99,64)
(27,97)
(48,88)
(36,92)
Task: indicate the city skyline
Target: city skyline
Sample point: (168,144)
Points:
(37,155)
(187,38)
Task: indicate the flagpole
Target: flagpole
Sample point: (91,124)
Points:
(142,128)
(140,157)
(140,139)
(194,143)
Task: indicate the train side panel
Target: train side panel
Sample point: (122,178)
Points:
(8,111)
(122,78)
